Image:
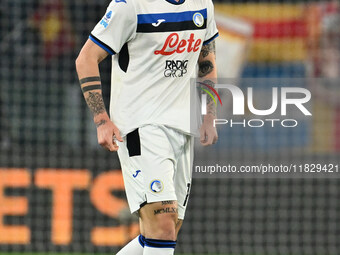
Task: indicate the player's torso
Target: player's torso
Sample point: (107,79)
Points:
(163,57)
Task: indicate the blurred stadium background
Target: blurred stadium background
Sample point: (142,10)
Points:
(61,193)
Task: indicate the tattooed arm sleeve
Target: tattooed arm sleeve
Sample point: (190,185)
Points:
(207,72)
(92,92)
(88,72)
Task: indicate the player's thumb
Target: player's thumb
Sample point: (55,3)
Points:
(117,134)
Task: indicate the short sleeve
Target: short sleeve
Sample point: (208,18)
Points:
(211,32)
(117,27)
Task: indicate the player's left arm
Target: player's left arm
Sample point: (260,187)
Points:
(207,73)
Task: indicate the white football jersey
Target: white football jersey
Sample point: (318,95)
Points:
(155,45)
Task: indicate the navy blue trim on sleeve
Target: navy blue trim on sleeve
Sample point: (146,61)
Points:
(102,45)
(211,39)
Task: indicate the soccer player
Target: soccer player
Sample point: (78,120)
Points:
(157,46)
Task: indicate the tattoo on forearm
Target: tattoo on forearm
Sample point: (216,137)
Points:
(171,202)
(165,210)
(208,82)
(91,87)
(95,102)
(100,123)
(211,107)
(205,68)
(208,48)
(89,79)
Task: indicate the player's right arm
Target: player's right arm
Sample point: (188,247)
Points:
(88,73)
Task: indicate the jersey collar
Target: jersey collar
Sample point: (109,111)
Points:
(175,2)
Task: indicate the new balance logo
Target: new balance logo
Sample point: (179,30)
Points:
(137,172)
(158,22)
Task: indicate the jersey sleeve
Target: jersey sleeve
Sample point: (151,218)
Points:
(212,31)
(117,27)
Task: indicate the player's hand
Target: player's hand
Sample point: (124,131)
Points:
(107,134)
(208,132)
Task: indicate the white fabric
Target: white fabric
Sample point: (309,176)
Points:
(166,157)
(119,27)
(158,251)
(133,247)
(156,87)
(211,26)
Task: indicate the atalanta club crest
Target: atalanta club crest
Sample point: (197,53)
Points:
(198,19)
(156,186)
